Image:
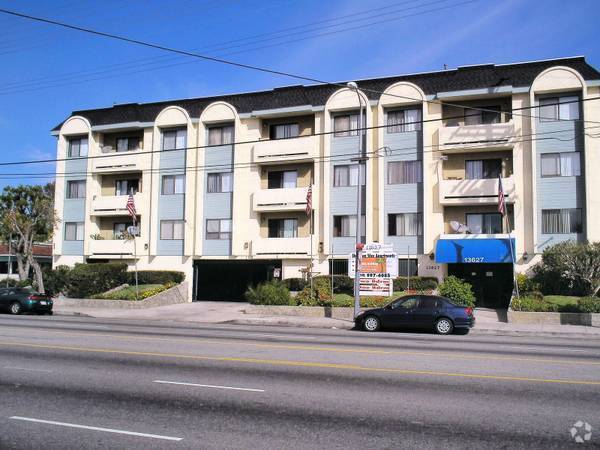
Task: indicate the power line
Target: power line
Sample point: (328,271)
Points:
(12,88)
(241,65)
(338,157)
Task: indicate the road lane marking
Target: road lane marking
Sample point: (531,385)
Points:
(548,349)
(292,363)
(27,369)
(86,427)
(318,348)
(209,386)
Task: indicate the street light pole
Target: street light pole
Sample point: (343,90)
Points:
(360,159)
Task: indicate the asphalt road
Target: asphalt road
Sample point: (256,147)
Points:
(90,383)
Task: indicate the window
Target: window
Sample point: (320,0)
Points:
(174,139)
(561,164)
(405,224)
(220,135)
(345,125)
(492,114)
(485,223)
(126,144)
(76,189)
(338,267)
(404,172)
(561,221)
(282,179)
(219,182)
(73,231)
(559,108)
(283,228)
(284,131)
(77,147)
(345,226)
(483,169)
(408,267)
(126,187)
(119,230)
(403,120)
(218,229)
(347,175)
(171,230)
(427,302)
(173,184)
(406,303)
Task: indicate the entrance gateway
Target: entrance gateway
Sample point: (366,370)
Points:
(484,261)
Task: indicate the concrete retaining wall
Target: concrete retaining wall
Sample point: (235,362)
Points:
(176,294)
(551,318)
(303,311)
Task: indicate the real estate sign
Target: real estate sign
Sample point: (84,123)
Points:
(378,267)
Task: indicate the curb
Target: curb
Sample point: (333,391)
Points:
(528,333)
(285,323)
(72,314)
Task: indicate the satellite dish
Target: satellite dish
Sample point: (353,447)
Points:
(459,227)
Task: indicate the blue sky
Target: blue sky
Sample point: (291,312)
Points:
(48,72)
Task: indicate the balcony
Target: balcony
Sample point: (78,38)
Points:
(299,246)
(114,248)
(285,150)
(116,205)
(110,161)
(475,192)
(286,199)
(477,137)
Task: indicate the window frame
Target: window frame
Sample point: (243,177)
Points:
(555,102)
(350,131)
(70,142)
(339,218)
(129,139)
(172,223)
(222,234)
(168,178)
(80,191)
(221,128)
(405,162)
(79,227)
(559,157)
(404,126)
(417,215)
(289,126)
(483,216)
(576,228)
(219,176)
(483,168)
(166,131)
(349,169)
(281,228)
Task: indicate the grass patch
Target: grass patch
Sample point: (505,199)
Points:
(128,293)
(562,300)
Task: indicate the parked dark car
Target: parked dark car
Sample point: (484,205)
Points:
(19,300)
(418,312)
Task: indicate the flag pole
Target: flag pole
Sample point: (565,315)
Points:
(504,211)
(135,268)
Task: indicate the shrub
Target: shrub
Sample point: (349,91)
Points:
(458,291)
(156,277)
(589,305)
(88,279)
(129,293)
(269,293)
(55,280)
(416,283)
(321,295)
(533,304)
(295,284)
(13,282)
(526,284)
(343,284)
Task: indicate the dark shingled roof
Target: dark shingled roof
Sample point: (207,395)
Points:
(470,77)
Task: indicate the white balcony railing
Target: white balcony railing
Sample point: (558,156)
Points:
(285,150)
(286,199)
(114,248)
(299,246)
(112,161)
(116,205)
(475,192)
(493,136)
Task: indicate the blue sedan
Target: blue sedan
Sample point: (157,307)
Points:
(418,312)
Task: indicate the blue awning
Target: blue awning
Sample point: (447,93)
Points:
(474,250)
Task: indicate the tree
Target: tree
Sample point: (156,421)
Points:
(570,268)
(27,214)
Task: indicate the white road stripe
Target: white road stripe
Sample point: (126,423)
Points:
(107,430)
(28,369)
(209,386)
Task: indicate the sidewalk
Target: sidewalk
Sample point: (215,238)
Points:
(488,322)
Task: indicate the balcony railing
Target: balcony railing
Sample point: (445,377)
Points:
(299,246)
(116,205)
(114,248)
(113,161)
(492,136)
(286,199)
(285,150)
(475,192)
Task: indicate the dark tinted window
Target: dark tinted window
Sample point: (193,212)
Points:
(410,303)
(428,303)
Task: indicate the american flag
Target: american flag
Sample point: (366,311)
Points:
(501,204)
(131,207)
(309,201)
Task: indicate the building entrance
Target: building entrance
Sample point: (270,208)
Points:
(492,283)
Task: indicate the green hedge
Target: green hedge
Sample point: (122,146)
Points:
(128,293)
(589,305)
(156,277)
(457,290)
(536,304)
(85,280)
(269,293)
(416,283)
(295,284)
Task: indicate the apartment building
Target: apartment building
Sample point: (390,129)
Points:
(220,183)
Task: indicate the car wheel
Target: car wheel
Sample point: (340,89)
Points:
(371,323)
(15,308)
(444,326)
(50,313)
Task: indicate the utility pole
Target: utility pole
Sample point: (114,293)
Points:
(360,161)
